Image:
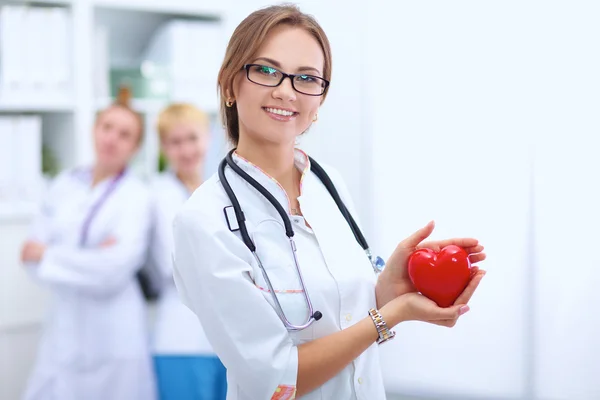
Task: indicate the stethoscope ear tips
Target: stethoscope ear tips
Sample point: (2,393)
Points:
(317,315)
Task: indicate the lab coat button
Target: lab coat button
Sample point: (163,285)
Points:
(348,317)
(360,381)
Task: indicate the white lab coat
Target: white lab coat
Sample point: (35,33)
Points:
(177,330)
(94,345)
(220,280)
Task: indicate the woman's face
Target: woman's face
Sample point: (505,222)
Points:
(116,137)
(185,146)
(277,115)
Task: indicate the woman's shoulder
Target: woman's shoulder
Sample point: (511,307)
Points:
(66,179)
(134,184)
(205,206)
(332,172)
(162,180)
(335,176)
(165,187)
(340,185)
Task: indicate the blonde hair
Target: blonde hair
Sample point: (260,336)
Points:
(245,42)
(178,113)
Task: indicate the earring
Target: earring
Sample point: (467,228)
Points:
(229,103)
(316,117)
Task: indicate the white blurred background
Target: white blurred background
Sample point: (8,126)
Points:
(481,115)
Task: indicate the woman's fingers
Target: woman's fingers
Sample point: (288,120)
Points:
(448,323)
(466,295)
(473,249)
(437,245)
(475,258)
(470,246)
(447,313)
(421,308)
(413,240)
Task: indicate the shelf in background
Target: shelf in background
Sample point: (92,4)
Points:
(35,106)
(34,3)
(210,10)
(142,106)
(154,106)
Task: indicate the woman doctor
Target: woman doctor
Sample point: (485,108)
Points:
(186,366)
(352,308)
(86,248)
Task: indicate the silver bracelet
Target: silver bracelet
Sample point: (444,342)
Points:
(384,332)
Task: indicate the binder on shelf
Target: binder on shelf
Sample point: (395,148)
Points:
(101,62)
(28,146)
(6,162)
(21,178)
(35,56)
(192,52)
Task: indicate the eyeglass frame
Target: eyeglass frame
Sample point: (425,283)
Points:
(283,76)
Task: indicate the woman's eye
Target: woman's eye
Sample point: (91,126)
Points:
(267,70)
(305,78)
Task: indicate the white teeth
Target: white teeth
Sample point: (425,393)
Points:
(280,112)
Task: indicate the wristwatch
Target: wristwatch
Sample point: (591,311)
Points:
(384,332)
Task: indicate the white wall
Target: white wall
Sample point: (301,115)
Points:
(567,202)
(18,347)
(21,305)
(465,97)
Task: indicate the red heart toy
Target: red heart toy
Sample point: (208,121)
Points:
(442,276)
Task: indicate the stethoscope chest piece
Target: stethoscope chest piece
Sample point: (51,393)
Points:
(378,264)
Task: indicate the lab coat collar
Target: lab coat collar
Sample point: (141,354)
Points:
(301,161)
(178,183)
(84,175)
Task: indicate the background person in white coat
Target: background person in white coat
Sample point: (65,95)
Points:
(217,273)
(86,248)
(186,365)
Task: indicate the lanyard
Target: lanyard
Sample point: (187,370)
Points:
(96,207)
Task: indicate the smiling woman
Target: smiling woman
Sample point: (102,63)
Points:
(264,40)
(272,226)
(280,101)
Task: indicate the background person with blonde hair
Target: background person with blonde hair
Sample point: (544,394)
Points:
(186,366)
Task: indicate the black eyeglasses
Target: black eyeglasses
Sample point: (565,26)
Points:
(272,77)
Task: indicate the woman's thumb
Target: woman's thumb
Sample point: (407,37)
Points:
(452,312)
(462,309)
(413,240)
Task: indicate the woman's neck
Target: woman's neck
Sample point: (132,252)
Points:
(191,180)
(278,162)
(100,173)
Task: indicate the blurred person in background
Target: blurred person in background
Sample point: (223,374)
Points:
(86,247)
(186,366)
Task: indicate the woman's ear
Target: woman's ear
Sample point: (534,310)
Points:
(229,98)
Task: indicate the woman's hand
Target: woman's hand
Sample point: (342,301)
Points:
(416,307)
(32,251)
(394,281)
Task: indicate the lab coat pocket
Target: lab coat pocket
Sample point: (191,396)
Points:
(279,268)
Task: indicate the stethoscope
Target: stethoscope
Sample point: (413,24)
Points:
(376,262)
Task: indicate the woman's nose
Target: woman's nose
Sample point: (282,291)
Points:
(285,91)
